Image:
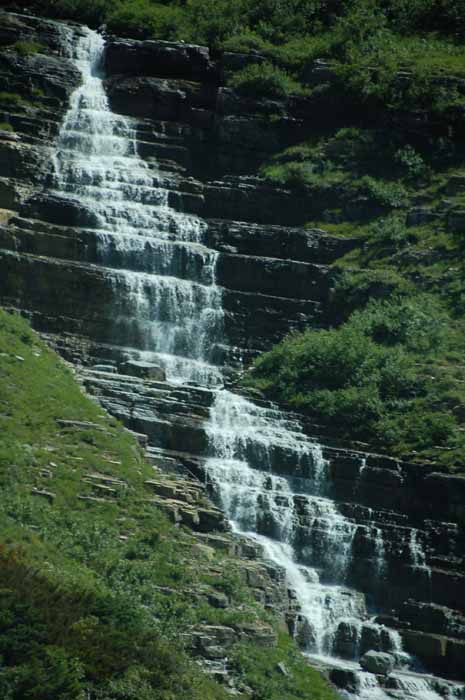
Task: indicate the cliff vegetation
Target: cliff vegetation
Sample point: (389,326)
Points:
(366,41)
(389,370)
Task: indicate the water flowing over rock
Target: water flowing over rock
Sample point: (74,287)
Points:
(125,255)
(161,307)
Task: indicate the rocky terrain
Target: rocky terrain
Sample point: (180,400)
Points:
(204,142)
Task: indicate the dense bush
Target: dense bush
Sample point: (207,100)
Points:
(365,378)
(390,195)
(143,20)
(391,231)
(264,80)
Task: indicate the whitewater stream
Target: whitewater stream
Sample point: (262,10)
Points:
(170,309)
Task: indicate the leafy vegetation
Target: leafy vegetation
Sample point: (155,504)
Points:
(96,595)
(396,201)
(264,79)
(374,378)
(5,126)
(253,664)
(368,42)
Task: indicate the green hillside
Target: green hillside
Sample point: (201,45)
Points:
(97,588)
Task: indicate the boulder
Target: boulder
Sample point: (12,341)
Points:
(143,370)
(345,679)
(377,662)
(218,600)
(346,640)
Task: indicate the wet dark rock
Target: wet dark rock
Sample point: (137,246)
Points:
(420,216)
(455,185)
(456,221)
(346,640)
(307,245)
(284,278)
(159,59)
(448,494)
(377,662)
(55,75)
(144,370)
(22,162)
(437,619)
(154,98)
(60,211)
(345,679)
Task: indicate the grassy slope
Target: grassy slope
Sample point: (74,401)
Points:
(82,608)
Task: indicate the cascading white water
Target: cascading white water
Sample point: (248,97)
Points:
(249,445)
(169,308)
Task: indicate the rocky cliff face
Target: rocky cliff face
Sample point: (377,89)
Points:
(201,142)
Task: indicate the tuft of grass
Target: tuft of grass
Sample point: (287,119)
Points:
(12,100)
(5,126)
(28,48)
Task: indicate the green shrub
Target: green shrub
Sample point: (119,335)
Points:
(5,126)
(366,376)
(354,288)
(245,42)
(391,231)
(299,53)
(411,163)
(418,323)
(264,80)
(290,174)
(392,195)
(144,20)
(214,21)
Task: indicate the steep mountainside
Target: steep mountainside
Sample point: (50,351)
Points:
(139,240)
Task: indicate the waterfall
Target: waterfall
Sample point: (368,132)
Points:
(271,480)
(251,447)
(169,305)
